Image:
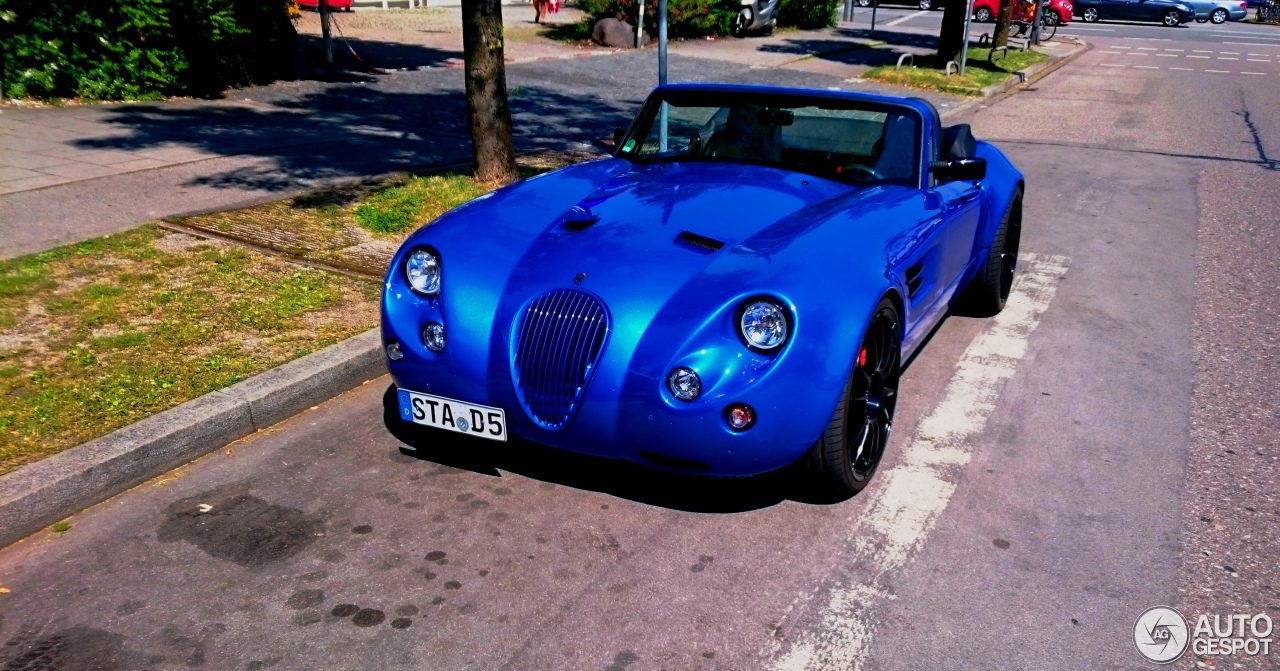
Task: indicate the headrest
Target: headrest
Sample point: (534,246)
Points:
(958,142)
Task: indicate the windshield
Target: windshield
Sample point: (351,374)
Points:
(838,139)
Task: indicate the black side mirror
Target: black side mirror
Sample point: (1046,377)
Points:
(618,134)
(968,169)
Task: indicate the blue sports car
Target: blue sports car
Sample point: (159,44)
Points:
(734,291)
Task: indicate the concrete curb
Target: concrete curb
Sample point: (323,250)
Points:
(1034,73)
(49,490)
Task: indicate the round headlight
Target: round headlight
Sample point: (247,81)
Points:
(422,269)
(685,384)
(764,325)
(433,336)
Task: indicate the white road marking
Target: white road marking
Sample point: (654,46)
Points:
(1267,55)
(1147,49)
(1257,60)
(1183,69)
(1113,65)
(1197,56)
(1151,39)
(1254,44)
(1200,51)
(1178,50)
(1120,47)
(1230,53)
(1254,73)
(1226,58)
(913,495)
(1101,30)
(1145,67)
(908,17)
(1167,55)
(1134,53)
(1219,72)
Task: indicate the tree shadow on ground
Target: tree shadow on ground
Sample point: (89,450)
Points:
(616,477)
(352,131)
(847,52)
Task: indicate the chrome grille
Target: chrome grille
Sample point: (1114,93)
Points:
(557,344)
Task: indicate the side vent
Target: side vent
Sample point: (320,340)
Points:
(698,243)
(914,279)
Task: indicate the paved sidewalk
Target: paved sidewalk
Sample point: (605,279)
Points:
(79,171)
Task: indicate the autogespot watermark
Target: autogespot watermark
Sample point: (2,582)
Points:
(1162,635)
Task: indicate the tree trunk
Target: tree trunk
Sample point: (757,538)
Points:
(493,159)
(951,36)
(1000,37)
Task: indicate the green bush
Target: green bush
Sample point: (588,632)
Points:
(685,18)
(808,14)
(139,49)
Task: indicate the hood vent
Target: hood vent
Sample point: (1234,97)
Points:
(698,243)
(578,218)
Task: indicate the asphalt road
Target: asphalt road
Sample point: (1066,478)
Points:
(1107,445)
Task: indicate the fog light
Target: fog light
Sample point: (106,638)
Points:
(394,352)
(433,336)
(740,417)
(685,384)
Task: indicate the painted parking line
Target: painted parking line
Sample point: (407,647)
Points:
(1264,55)
(1100,30)
(914,494)
(1151,39)
(1178,50)
(908,17)
(1229,53)
(1147,49)
(1121,47)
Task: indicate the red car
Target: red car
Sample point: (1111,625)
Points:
(334,5)
(1060,11)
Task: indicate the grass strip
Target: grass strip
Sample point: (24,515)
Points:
(979,72)
(100,334)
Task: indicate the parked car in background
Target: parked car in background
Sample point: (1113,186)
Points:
(1220,11)
(922,4)
(1169,12)
(757,16)
(334,5)
(1058,13)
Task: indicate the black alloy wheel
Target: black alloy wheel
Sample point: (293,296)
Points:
(847,455)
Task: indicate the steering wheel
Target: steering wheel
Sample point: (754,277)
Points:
(866,173)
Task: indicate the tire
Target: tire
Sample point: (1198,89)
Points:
(1219,16)
(740,23)
(864,3)
(982,15)
(1090,15)
(1049,29)
(1172,19)
(846,456)
(1052,18)
(989,289)
(926,5)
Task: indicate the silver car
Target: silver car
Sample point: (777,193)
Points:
(756,16)
(1219,11)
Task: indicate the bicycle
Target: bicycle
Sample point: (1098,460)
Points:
(1048,26)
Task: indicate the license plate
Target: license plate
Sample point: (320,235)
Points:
(479,421)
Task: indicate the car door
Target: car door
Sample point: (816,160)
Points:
(1146,10)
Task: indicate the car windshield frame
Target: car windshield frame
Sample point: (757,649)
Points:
(714,97)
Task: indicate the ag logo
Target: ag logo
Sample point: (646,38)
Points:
(1161,634)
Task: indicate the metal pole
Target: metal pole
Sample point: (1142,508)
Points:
(964,53)
(640,27)
(662,72)
(1036,17)
(874,6)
